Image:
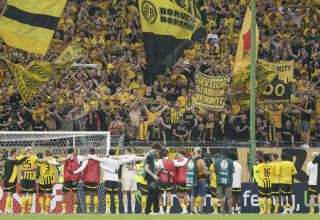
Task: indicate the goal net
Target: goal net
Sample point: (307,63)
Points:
(57,143)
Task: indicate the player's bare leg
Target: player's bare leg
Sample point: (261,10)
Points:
(133,202)
(236,203)
(161,212)
(168,203)
(193,204)
(284,202)
(276,204)
(125,201)
(182,203)
(311,202)
(319,201)
(200,204)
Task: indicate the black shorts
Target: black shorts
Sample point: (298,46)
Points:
(182,188)
(70,185)
(143,188)
(212,191)
(168,187)
(9,187)
(111,186)
(286,189)
(264,192)
(275,189)
(236,191)
(313,190)
(90,187)
(28,186)
(45,188)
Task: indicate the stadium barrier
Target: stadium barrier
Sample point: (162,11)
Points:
(249,200)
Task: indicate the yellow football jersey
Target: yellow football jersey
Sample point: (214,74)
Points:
(274,176)
(264,171)
(139,176)
(285,172)
(46,171)
(30,163)
(213,176)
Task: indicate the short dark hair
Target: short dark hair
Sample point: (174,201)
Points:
(164,153)
(13,151)
(284,156)
(275,156)
(70,151)
(112,152)
(156,146)
(266,157)
(91,151)
(47,153)
(232,156)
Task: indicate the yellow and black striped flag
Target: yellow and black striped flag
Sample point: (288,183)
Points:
(30,24)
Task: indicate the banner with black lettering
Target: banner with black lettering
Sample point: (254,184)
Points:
(211,91)
(275,80)
(167,29)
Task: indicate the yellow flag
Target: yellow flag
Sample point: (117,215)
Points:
(30,24)
(70,53)
(242,60)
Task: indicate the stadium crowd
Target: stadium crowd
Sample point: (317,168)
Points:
(116,97)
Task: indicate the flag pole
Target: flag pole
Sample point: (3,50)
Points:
(253,55)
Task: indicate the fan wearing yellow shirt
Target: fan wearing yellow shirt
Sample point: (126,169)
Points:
(275,186)
(28,179)
(286,171)
(264,184)
(142,185)
(46,170)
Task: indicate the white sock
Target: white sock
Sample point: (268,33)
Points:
(133,202)
(125,203)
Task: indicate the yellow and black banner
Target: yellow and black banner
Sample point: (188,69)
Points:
(211,91)
(167,29)
(29,80)
(279,81)
(30,24)
(70,53)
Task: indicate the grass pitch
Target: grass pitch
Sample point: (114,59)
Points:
(161,217)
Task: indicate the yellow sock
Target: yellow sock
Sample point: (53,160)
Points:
(168,207)
(41,203)
(269,204)
(88,202)
(64,207)
(75,207)
(48,202)
(116,201)
(276,208)
(23,203)
(108,201)
(197,202)
(311,209)
(8,204)
(215,204)
(143,202)
(96,203)
(183,206)
(261,204)
(30,200)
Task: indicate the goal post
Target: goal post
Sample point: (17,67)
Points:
(58,141)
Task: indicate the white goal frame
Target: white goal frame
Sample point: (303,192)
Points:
(6,136)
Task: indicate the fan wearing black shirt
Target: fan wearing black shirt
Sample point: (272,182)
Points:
(38,124)
(287,134)
(180,130)
(305,109)
(156,131)
(230,133)
(243,129)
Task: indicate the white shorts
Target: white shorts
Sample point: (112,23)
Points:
(129,185)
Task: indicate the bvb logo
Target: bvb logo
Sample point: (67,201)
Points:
(149,12)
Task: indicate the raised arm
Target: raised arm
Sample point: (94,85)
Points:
(82,167)
(107,169)
(101,160)
(181,163)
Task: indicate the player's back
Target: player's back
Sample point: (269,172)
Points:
(285,171)
(274,177)
(264,170)
(30,163)
(128,170)
(46,172)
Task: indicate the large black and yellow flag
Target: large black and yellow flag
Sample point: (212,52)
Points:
(30,24)
(167,29)
(29,80)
